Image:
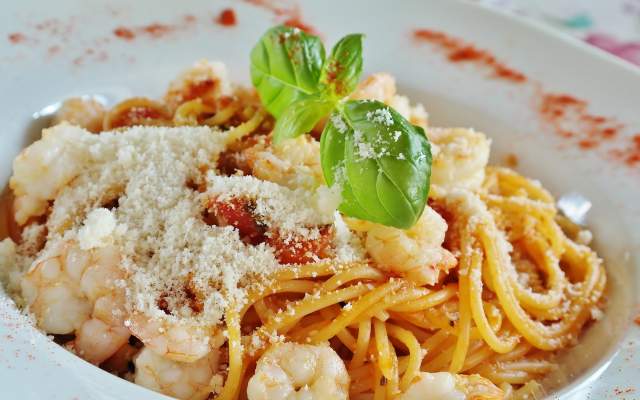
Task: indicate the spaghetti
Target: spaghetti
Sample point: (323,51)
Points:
(523,287)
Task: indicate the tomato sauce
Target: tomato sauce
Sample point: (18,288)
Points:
(298,250)
(239,214)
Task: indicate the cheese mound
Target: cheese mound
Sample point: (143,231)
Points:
(130,188)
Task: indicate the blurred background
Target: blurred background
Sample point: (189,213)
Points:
(612,25)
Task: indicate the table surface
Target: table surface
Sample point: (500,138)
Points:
(612,25)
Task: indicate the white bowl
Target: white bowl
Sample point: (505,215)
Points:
(35,74)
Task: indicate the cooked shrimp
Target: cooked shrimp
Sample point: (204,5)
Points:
(299,371)
(51,289)
(295,163)
(76,291)
(105,332)
(173,378)
(416,253)
(84,112)
(174,341)
(382,87)
(461,160)
(96,340)
(206,80)
(46,166)
(448,386)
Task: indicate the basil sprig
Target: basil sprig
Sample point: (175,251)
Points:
(381,162)
(285,66)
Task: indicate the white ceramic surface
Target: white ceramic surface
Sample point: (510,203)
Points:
(35,74)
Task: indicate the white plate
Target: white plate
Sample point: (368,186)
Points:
(89,59)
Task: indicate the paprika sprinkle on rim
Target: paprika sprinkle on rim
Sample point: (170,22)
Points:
(460,52)
(567,116)
(227,17)
(124,33)
(629,154)
(155,30)
(58,37)
(16,38)
(570,118)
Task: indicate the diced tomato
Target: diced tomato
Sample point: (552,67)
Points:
(297,250)
(239,214)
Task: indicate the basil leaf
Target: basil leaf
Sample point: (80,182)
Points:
(342,70)
(382,162)
(300,117)
(285,67)
(332,143)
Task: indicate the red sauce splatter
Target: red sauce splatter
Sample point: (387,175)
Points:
(157,30)
(460,52)
(288,14)
(17,37)
(124,33)
(637,319)
(227,17)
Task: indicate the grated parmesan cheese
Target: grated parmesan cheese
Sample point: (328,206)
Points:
(157,225)
(156,220)
(339,123)
(97,229)
(380,116)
